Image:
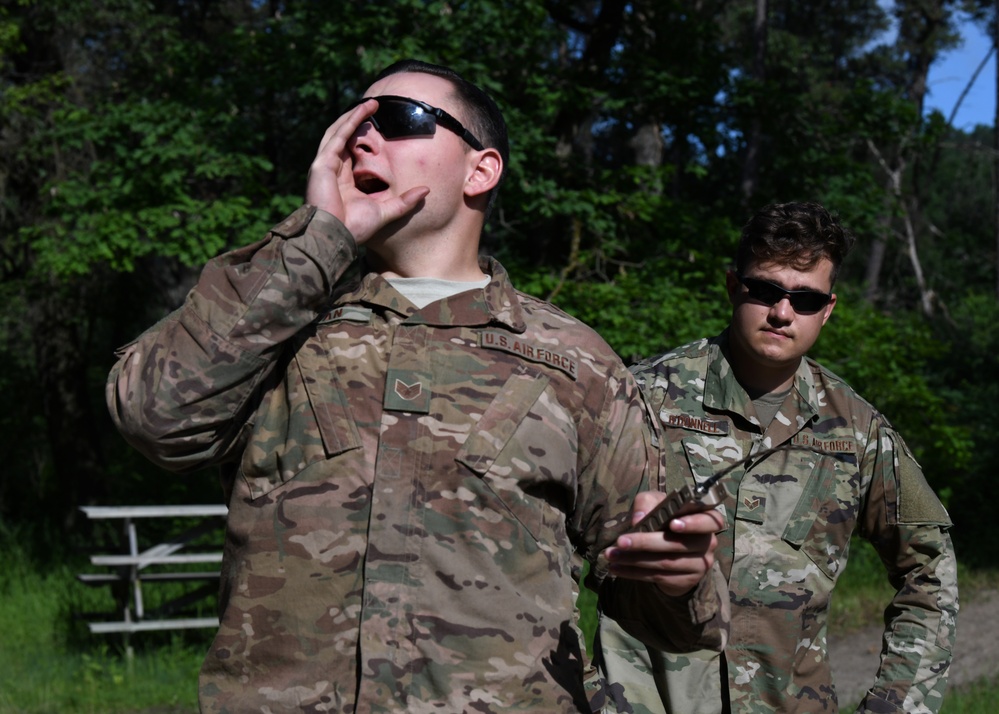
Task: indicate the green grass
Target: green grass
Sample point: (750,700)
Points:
(50,663)
(862,591)
(977,698)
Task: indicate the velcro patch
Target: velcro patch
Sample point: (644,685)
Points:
(694,423)
(751,505)
(347,313)
(917,503)
(407,390)
(504,341)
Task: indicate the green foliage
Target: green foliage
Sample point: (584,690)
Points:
(142,138)
(885,358)
(959,205)
(643,312)
(159,186)
(965,378)
(644,271)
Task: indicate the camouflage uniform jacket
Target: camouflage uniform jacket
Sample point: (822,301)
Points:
(791,514)
(411,492)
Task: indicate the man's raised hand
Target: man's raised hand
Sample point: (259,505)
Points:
(331,186)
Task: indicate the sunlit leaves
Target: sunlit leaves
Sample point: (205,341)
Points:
(158,184)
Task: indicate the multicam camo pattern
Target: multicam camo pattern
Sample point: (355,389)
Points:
(790,517)
(411,492)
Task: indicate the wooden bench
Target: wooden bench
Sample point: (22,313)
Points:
(134,568)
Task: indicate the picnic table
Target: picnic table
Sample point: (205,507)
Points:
(138,566)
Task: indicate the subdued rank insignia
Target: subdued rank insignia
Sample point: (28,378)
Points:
(346,313)
(497,340)
(407,391)
(751,506)
(692,423)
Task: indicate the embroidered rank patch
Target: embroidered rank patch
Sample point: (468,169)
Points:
(692,423)
(407,391)
(825,445)
(347,313)
(496,340)
(751,506)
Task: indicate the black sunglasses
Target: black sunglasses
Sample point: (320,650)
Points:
(804,302)
(397,117)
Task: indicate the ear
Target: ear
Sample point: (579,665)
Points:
(486,168)
(827,310)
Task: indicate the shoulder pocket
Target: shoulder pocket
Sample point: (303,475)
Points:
(917,502)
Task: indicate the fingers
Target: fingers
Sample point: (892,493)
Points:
(675,582)
(704,522)
(674,562)
(647,501)
(330,175)
(650,547)
(331,184)
(406,202)
(335,139)
(365,215)
(674,559)
(644,504)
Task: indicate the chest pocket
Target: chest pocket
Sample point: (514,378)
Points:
(303,420)
(809,500)
(808,526)
(708,454)
(521,447)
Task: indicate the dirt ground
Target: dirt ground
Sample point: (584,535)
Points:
(854,656)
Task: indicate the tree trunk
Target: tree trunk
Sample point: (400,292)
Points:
(876,258)
(910,207)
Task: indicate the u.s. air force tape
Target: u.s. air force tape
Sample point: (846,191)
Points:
(497,340)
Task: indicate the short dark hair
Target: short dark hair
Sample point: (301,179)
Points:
(481,114)
(794,234)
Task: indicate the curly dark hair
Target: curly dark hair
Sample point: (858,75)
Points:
(794,234)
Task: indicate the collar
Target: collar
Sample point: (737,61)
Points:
(497,303)
(722,390)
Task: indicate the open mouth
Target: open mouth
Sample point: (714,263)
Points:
(370,184)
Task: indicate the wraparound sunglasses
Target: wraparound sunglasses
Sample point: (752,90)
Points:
(804,302)
(398,117)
